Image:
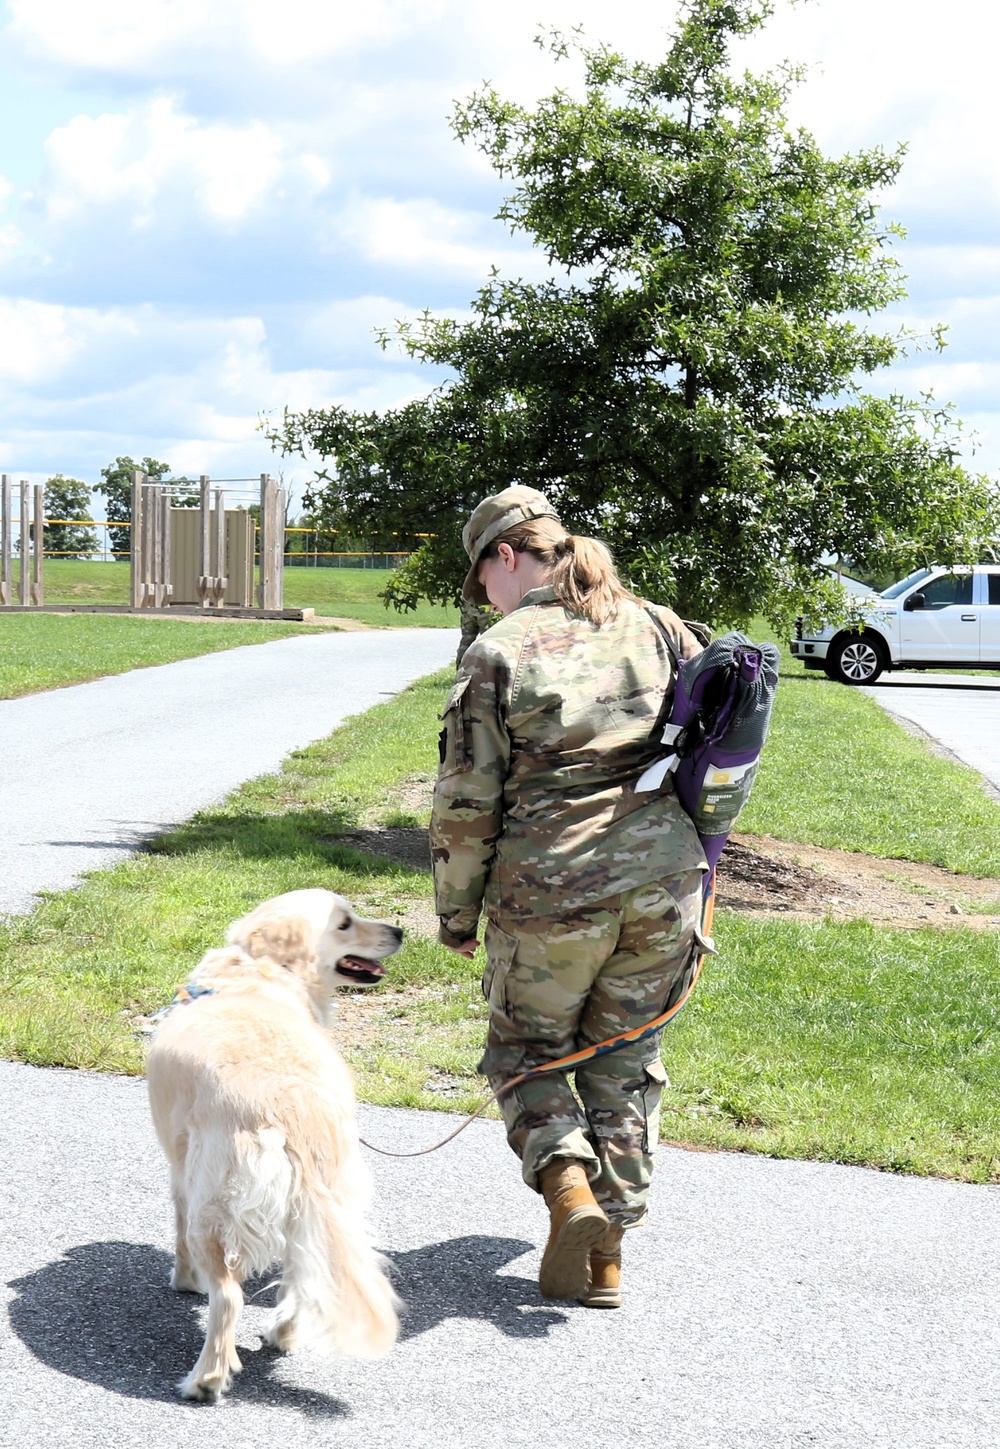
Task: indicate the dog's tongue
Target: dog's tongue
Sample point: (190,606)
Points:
(361,968)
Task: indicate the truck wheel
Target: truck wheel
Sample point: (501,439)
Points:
(855,659)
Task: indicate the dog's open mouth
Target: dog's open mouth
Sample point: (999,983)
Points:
(360,970)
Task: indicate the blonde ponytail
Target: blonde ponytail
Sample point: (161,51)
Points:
(584,576)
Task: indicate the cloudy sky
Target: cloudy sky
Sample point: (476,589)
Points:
(207,206)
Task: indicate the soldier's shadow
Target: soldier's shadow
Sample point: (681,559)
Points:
(104,1313)
(461,1278)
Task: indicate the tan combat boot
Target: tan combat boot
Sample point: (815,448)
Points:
(577,1223)
(605,1289)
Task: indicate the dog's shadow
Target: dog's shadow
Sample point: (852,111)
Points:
(104,1313)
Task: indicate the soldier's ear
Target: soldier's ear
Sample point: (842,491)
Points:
(507,554)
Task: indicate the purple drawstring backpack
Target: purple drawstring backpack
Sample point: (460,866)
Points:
(716,731)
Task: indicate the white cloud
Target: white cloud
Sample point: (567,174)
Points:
(900,71)
(254,188)
(81,385)
(424,235)
(130,159)
(114,35)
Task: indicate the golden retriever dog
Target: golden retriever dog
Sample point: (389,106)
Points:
(255,1110)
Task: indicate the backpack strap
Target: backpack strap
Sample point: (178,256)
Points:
(701,632)
(661,630)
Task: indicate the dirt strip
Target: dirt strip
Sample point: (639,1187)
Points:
(764,877)
(757,877)
(761,876)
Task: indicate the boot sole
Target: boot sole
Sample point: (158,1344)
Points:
(602,1298)
(565,1270)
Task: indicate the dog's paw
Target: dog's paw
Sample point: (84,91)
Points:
(208,1390)
(186,1283)
(185,1280)
(284,1334)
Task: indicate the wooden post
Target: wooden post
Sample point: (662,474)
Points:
(5,527)
(156,512)
(221,578)
(23,594)
(205,581)
(280,507)
(164,589)
(135,543)
(262,542)
(272,544)
(148,543)
(38,556)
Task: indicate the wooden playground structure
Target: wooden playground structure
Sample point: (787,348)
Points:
(30,583)
(182,559)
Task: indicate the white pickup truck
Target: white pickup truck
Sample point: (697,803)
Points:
(934,619)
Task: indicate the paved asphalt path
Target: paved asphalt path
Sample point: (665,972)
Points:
(962,712)
(771,1305)
(91,771)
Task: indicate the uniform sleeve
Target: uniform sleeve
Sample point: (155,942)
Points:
(467,816)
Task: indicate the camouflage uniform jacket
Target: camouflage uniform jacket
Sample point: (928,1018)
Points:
(549,725)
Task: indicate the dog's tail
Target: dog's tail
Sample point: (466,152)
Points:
(336,1278)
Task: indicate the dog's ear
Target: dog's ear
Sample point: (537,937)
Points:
(286,939)
(222,963)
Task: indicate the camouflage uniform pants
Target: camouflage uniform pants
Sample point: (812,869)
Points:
(557,984)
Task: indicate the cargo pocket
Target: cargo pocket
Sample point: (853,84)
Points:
(501,950)
(655,1080)
(454,745)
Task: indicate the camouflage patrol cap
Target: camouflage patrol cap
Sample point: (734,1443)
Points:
(493,517)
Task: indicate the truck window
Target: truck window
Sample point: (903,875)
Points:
(994,588)
(901,587)
(947,589)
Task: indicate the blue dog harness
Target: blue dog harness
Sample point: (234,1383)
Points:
(183,996)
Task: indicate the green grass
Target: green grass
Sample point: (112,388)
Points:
(837,772)
(340,593)
(74,972)
(843,1042)
(80,581)
(823,1040)
(44,651)
(353,594)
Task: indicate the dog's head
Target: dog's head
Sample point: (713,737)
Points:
(318,930)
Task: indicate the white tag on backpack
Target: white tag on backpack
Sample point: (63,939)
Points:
(655,774)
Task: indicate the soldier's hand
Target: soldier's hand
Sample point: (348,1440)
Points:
(467,948)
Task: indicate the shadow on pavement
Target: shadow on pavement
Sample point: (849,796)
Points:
(957,682)
(461,1279)
(104,1313)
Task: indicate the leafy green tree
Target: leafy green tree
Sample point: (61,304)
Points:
(68,499)
(687,382)
(117,490)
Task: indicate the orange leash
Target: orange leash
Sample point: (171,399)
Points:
(587,1054)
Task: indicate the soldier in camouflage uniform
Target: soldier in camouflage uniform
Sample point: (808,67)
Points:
(592,892)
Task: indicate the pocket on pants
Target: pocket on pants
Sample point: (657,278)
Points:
(501,949)
(655,1080)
